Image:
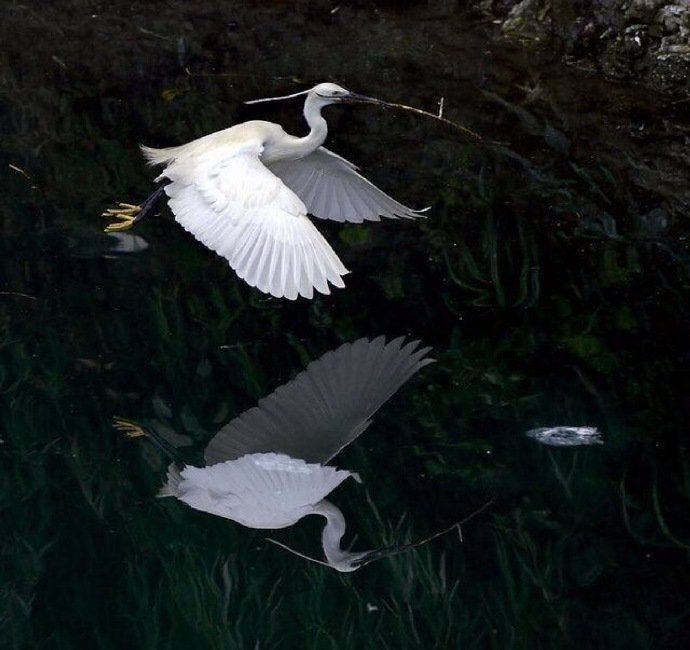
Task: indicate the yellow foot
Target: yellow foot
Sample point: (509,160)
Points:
(125,213)
(129,428)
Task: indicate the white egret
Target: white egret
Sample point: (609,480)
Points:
(265,469)
(245,193)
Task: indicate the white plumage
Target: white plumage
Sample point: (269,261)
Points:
(245,193)
(259,471)
(332,188)
(256,490)
(325,407)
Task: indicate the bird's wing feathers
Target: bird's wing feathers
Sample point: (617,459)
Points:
(259,490)
(332,188)
(229,201)
(325,407)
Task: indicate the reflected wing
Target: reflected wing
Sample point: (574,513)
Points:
(223,195)
(256,490)
(331,188)
(325,407)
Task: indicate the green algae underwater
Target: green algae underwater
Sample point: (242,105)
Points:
(550,277)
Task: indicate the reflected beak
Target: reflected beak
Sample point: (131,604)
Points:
(379,554)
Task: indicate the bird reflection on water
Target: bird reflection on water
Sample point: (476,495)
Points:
(266,468)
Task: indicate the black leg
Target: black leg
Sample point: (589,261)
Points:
(127,214)
(150,203)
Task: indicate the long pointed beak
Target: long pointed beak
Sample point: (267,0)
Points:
(364,99)
(379,554)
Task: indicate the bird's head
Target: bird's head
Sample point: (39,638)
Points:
(324,94)
(342,561)
(330,93)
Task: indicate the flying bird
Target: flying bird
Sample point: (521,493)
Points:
(267,468)
(245,193)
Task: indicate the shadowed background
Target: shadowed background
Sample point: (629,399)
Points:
(550,277)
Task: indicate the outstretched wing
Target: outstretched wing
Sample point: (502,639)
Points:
(325,407)
(223,195)
(332,188)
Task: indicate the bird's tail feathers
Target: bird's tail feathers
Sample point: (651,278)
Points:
(160,156)
(171,488)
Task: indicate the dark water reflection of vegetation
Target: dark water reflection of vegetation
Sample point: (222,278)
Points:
(551,278)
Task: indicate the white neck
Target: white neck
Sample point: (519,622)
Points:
(332,534)
(319,129)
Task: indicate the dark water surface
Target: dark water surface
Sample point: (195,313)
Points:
(551,278)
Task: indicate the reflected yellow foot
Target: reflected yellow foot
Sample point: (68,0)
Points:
(129,428)
(125,213)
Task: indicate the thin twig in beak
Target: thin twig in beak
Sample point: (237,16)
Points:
(395,550)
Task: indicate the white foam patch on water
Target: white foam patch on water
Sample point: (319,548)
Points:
(565,436)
